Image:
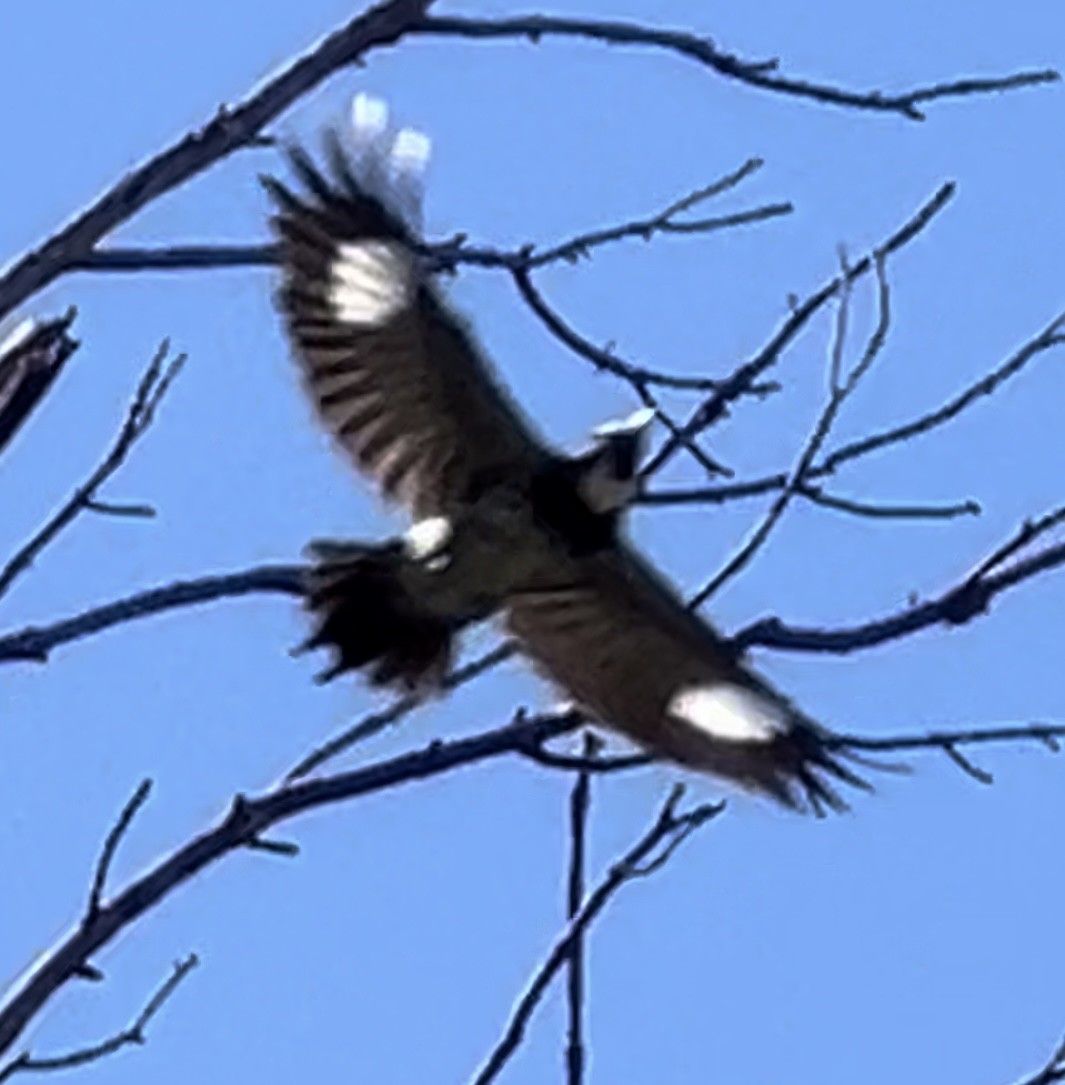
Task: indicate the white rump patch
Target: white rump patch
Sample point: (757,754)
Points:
(427,541)
(730,713)
(372,282)
(18,335)
(633,423)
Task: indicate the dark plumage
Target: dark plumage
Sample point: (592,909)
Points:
(503,525)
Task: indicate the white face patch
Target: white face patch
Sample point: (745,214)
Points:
(427,541)
(730,713)
(603,491)
(635,422)
(372,282)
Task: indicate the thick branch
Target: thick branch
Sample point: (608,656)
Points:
(134,1034)
(761,74)
(955,606)
(228,131)
(248,821)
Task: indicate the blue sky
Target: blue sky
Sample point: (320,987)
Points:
(910,941)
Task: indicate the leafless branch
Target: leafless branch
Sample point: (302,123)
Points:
(377,722)
(448,255)
(840,391)
(30,360)
(150,392)
(739,382)
(760,73)
(955,606)
(114,838)
(35,643)
(1052,1072)
(1053,335)
(228,131)
(646,856)
(134,1034)
(248,821)
(580,801)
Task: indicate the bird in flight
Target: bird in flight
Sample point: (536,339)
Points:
(503,525)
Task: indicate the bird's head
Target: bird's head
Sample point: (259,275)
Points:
(609,479)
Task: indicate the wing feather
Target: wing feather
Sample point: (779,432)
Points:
(393,372)
(624,647)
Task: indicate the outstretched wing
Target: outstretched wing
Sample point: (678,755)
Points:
(393,371)
(624,647)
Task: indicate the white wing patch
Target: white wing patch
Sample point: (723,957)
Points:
(730,713)
(372,282)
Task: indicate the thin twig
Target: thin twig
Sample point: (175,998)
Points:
(35,643)
(114,838)
(250,819)
(744,376)
(1053,335)
(840,391)
(152,388)
(1052,1072)
(761,74)
(580,801)
(134,1034)
(377,722)
(229,130)
(957,605)
(669,828)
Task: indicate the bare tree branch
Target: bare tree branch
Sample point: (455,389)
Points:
(150,392)
(377,722)
(744,376)
(646,856)
(1052,1072)
(228,131)
(114,838)
(248,822)
(1053,335)
(134,1034)
(580,801)
(35,643)
(840,392)
(955,606)
(761,74)
(30,360)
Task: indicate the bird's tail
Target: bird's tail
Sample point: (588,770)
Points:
(364,612)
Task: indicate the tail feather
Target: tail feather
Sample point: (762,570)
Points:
(372,623)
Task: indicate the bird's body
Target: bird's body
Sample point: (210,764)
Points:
(503,525)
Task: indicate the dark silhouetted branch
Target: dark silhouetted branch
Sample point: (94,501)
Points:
(30,360)
(1052,1072)
(648,855)
(761,74)
(249,820)
(114,838)
(841,390)
(579,803)
(35,643)
(134,1034)
(955,606)
(741,380)
(228,131)
(150,392)
(377,722)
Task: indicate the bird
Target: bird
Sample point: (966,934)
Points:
(504,526)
